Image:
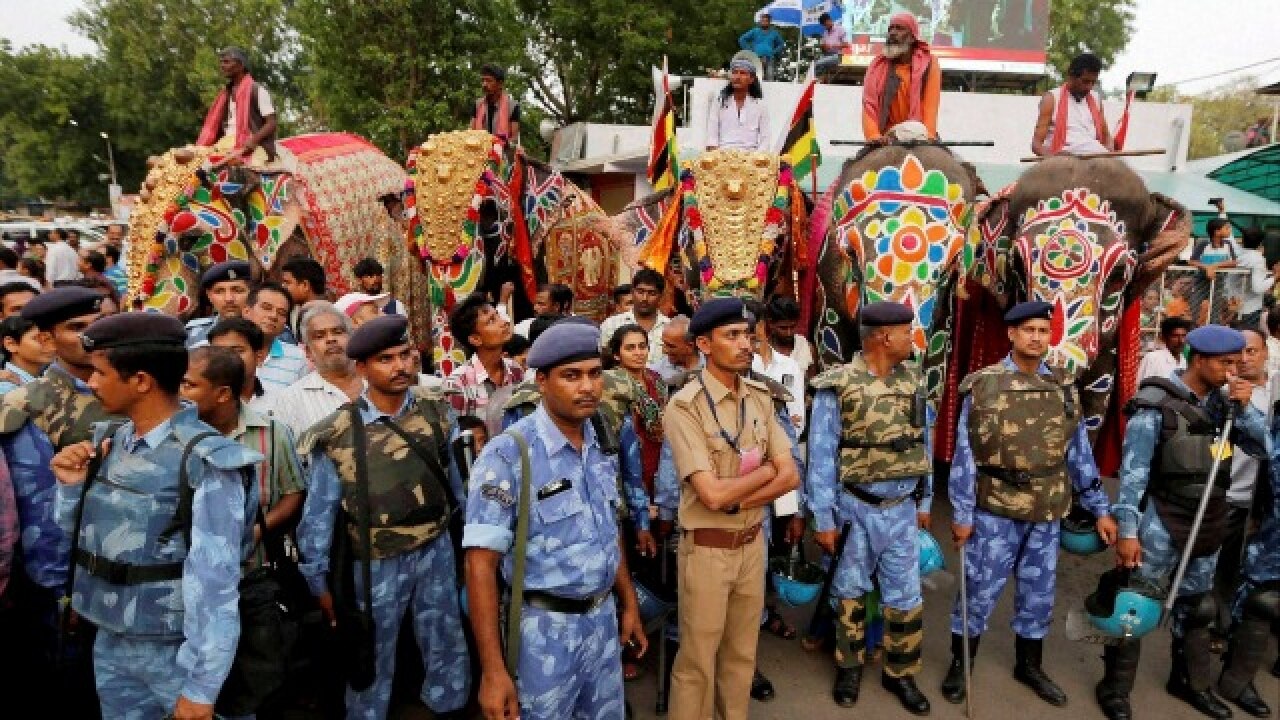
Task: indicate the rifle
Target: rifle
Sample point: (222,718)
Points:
(822,613)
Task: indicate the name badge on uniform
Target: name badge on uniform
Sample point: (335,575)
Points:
(554,488)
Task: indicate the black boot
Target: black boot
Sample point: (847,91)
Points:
(904,688)
(1181,679)
(953,684)
(1027,671)
(761,688)
(1121,663)
(848,683)
(1247,652)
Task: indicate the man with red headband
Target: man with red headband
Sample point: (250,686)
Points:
(242,118)
(1071,120)
(902,84)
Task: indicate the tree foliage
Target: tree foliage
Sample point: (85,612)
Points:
(589,60)
(1219,112)
(1101,27)
(395,71)
(159,62)
(49,147)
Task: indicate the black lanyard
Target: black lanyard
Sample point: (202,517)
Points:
(742,415)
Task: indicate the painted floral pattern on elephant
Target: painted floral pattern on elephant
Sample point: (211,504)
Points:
(905,227)
(1068,255)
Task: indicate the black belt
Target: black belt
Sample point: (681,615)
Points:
(555,603)
(902,443)
(1018,477)
(876,500)
(119,573)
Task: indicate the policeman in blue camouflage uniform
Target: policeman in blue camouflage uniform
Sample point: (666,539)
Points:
(157,565)
(1255,609)
(1169,444)
(1021,451)
(36,421)
(412,566)
(868,458)
(226,288)
(569,664)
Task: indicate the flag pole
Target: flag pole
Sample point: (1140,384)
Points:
(813,157)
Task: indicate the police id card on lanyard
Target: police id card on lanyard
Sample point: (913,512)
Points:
(748,460)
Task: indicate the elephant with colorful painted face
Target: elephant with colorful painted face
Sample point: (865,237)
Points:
(730,228)
(891,228)
(1086,236)
(194,212)
(481,215)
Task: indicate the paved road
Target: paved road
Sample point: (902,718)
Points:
(803,679)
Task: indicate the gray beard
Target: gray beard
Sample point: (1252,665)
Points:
(893,51)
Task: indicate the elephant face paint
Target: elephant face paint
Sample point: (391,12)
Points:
(1071,252)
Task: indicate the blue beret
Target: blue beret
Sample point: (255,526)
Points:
(564,342)
(719,311)
(1215,340)
(61,304)
(884,314)
(1030,310)
(134,328)
(380,333)
(229,270)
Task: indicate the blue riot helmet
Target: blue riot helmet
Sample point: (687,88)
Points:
(1079,535)
(797,581)
(931,559)
(651,605)
(1122,606)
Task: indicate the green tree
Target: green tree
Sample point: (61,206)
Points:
(589,60)
(49,146)
(1216,113)
(396,71)
(1101,27)
(160,67)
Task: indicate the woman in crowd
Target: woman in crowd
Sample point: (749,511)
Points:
(628,353)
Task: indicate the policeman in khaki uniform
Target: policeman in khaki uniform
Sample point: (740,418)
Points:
(1021,450)
(868,458)
(36,421)
(579,603)
(1168,451)
(157,566)
(732,458)
(405,433)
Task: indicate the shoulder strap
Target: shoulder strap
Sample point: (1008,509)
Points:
(186,494)
(360,445)
(518,557)
(95,464)
(432,461)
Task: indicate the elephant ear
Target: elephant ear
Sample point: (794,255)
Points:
(991,241)
(1169,232)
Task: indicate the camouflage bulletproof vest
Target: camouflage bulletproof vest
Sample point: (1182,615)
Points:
(408,506)
(881,420)
(1019,428)
(52,403)
(1184,452)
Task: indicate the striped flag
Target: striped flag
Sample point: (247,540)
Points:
(1122,127)
(664,154)
(800,148)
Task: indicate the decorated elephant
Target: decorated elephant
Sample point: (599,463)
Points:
(892,227)
(734,226)
(480,214)
(194,211)
(1087,237)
